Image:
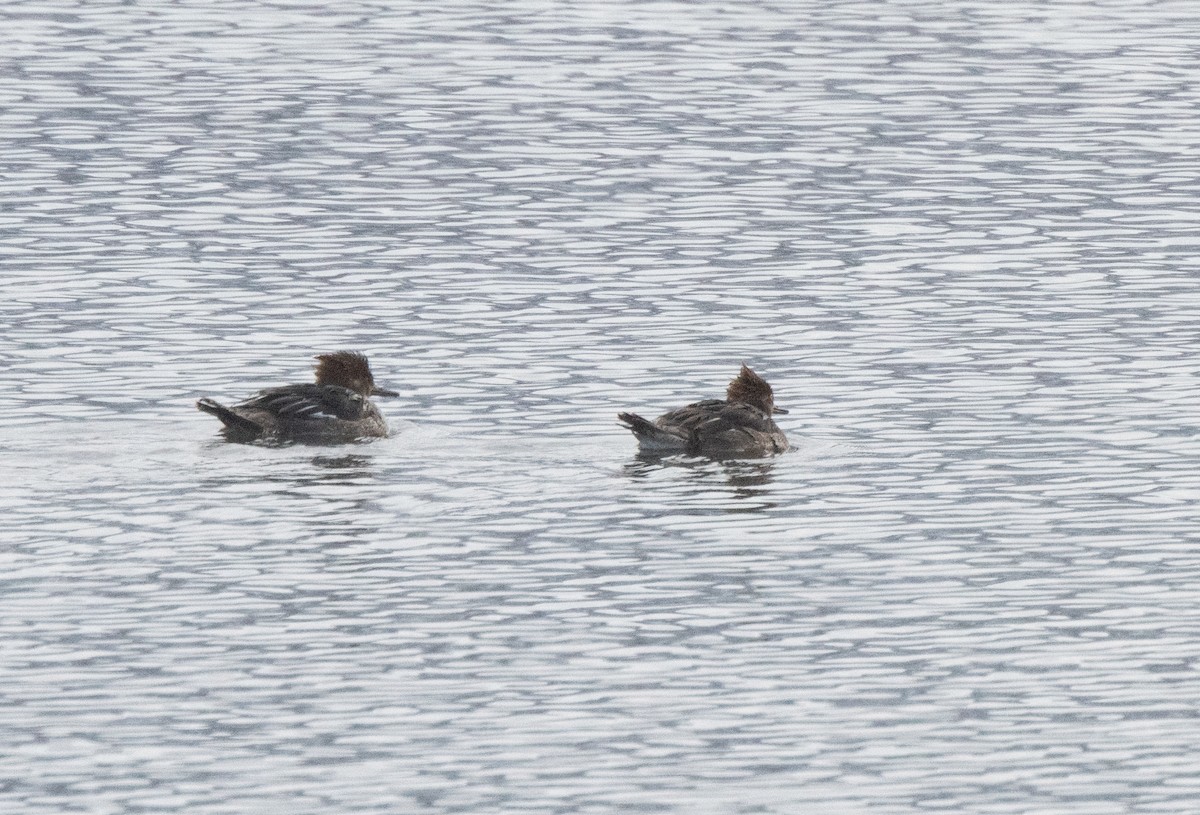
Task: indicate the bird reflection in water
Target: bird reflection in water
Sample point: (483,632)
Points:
(359,465)
(747,479)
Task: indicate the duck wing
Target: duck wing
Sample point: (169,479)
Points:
(308,402)
(734,428)
(716,416)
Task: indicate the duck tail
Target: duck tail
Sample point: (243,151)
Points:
(650,436)
(232,421)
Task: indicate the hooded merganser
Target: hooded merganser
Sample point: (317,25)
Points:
(337,408)
(739,426)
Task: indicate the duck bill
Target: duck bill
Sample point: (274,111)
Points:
(377,391)
(778,410)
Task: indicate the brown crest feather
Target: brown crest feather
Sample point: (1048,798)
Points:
(751,389)
(346,368)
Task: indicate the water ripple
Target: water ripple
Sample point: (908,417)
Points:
(957,238)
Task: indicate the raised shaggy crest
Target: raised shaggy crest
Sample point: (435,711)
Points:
(349,369)
(751,389)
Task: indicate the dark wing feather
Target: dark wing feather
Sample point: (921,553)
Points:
(687,419)
(716,416)
(305,402)
(717,426)
(740,416)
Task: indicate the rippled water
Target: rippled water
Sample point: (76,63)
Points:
(959,238)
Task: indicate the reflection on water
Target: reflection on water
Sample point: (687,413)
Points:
(347,464)
(747,478)
(960,238)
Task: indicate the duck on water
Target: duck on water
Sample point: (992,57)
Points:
(336,408)
(738,426)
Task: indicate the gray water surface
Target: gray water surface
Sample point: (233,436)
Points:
(960,239)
